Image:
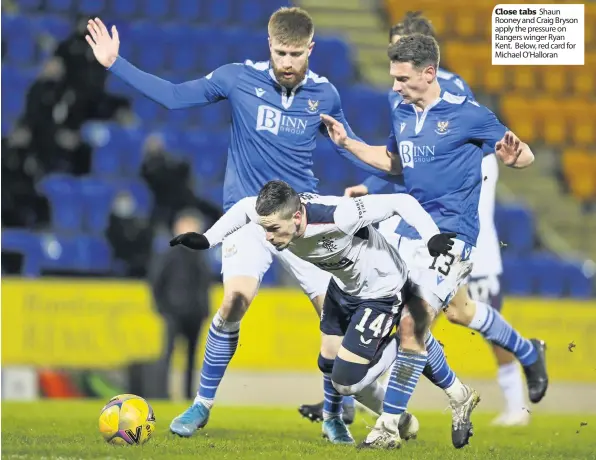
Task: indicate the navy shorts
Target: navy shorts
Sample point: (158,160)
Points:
(487,289)
(365,324)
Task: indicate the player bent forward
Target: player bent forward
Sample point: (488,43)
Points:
(363,301)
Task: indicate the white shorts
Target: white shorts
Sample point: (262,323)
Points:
(436,280)
(246,252)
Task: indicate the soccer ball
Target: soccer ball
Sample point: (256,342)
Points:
(127,419)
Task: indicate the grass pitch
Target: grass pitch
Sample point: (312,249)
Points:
(68,429)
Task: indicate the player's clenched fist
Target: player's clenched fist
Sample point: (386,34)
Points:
(336,130)
(105,47)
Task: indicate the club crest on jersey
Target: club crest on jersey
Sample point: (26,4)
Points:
(442,127)
(274,121)
(328,244)
(313,106)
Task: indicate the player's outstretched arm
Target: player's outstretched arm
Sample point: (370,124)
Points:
(353,214)
(214,87)
(513,152)
(237,217)
(376,156)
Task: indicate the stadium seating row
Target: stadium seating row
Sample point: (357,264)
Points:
(174,47)
(246,12)
(471,19)
(558,121)
(473,62)
(579,168)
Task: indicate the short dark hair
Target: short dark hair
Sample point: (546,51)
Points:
(277,196)
(413,23)
(417,49)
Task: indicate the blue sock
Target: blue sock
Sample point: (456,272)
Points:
(349,401)
(404,377)
(222,342)
(332,406)
(437,370)
(494,328)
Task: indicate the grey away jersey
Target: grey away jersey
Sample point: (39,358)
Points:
(340,238)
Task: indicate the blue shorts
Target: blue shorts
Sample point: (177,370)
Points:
(487,289)
(365,324)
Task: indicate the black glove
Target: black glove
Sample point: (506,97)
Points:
(191,240)
(440,244)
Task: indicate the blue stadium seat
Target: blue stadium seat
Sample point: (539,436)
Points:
(24,242)
(331,58)
(97,196)
(150,46)
(116,85)
(59,252)
(516,279)
(251,13)
(188,11)
(56,26)
(156,10)
(106,161)
(94,254)
(182,49)
(91,7)
(548,271)
(515,227)
(211,192)
(580,282)
(59,6)
(30,5)
(65,203)
(216,53)
(148,110)
(219,12)
(19,35)
(119,9)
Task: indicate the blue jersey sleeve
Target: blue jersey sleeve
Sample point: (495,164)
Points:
(337,113)
(212,88)
(392,143)
(484,126)
(375,184)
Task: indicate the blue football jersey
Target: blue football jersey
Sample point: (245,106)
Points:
(441,151)
(450,82)
(273,130)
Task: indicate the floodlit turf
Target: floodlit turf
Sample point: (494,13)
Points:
(69,430)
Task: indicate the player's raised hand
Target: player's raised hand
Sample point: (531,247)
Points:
(336,130)
(356,191)
(191,240)
(105,46)
(509,148)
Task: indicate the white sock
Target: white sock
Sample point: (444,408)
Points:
(479,317)
(208,403)
(457,391)
(511,382)
(372,397)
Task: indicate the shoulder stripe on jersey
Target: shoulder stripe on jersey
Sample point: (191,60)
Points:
(444,74)
(261,65)
(317,213)
(452,98)
(316,78)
